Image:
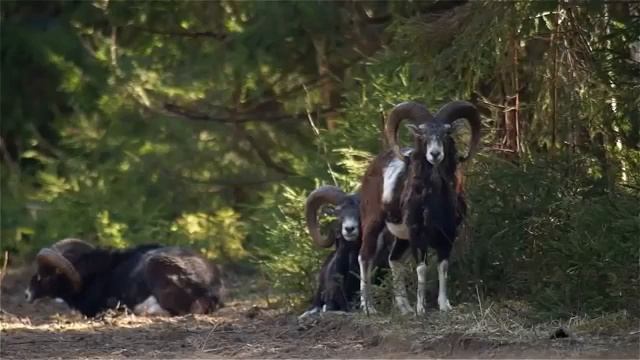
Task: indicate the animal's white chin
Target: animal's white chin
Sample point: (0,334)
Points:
(349,237)
(434,161)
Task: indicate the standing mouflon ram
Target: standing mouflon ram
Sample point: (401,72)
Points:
(149,279)
(416,193)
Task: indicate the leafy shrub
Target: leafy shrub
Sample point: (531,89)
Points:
(546,234)
(287,256)
(540,231)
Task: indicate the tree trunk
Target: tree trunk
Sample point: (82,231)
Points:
(328,89)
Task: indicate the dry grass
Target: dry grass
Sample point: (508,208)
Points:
(251,327)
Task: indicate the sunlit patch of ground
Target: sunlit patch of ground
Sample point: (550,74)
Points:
(248,328)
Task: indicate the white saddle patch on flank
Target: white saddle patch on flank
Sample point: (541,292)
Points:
(149,307)
(309,313)
(400,231)
(390,178)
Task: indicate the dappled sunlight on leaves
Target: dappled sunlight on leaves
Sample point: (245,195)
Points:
(217,235)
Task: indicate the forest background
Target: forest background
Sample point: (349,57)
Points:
(206,124)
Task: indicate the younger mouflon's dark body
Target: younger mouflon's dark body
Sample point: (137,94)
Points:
(339,276)
(338,282)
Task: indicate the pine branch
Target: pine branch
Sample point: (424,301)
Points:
(182,33)
(235,117)
(263,153)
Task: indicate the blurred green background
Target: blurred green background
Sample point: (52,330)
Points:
(207,123)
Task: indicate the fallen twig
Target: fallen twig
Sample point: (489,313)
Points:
(206,339)
(222,348)
(39,341)
(5,312)
(4,267)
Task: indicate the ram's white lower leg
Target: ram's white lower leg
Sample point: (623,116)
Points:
(399,288)
(443,300)
(421,305)
(365,280)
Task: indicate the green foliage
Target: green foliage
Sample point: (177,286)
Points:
(287,256)
(15,222)
(587,260)
(206,124)
(538,233)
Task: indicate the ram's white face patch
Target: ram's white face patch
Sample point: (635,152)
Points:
(350,229)
(433,136)
(435,150)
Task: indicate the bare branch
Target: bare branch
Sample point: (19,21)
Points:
(263,154)
(182,33)
(234,117)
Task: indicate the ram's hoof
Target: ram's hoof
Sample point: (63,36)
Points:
(369,310)
(444,305)
(404,307)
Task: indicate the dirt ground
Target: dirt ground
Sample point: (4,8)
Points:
(246,328)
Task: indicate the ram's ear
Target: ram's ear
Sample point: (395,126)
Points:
(330,210)
(458,125)
(415,129)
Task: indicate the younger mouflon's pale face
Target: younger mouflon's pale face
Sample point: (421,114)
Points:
(350,228)
(348,213)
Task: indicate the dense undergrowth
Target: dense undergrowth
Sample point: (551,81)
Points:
(534,234)
(143,127)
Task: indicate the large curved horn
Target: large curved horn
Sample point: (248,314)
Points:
(51,257)
(71,244)
(463,110)
(406,110)
(322,195)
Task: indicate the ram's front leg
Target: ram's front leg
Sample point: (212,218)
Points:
(396,257)
(366,303)
(420,254)
(421,261)
(443,269)
(365,260)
